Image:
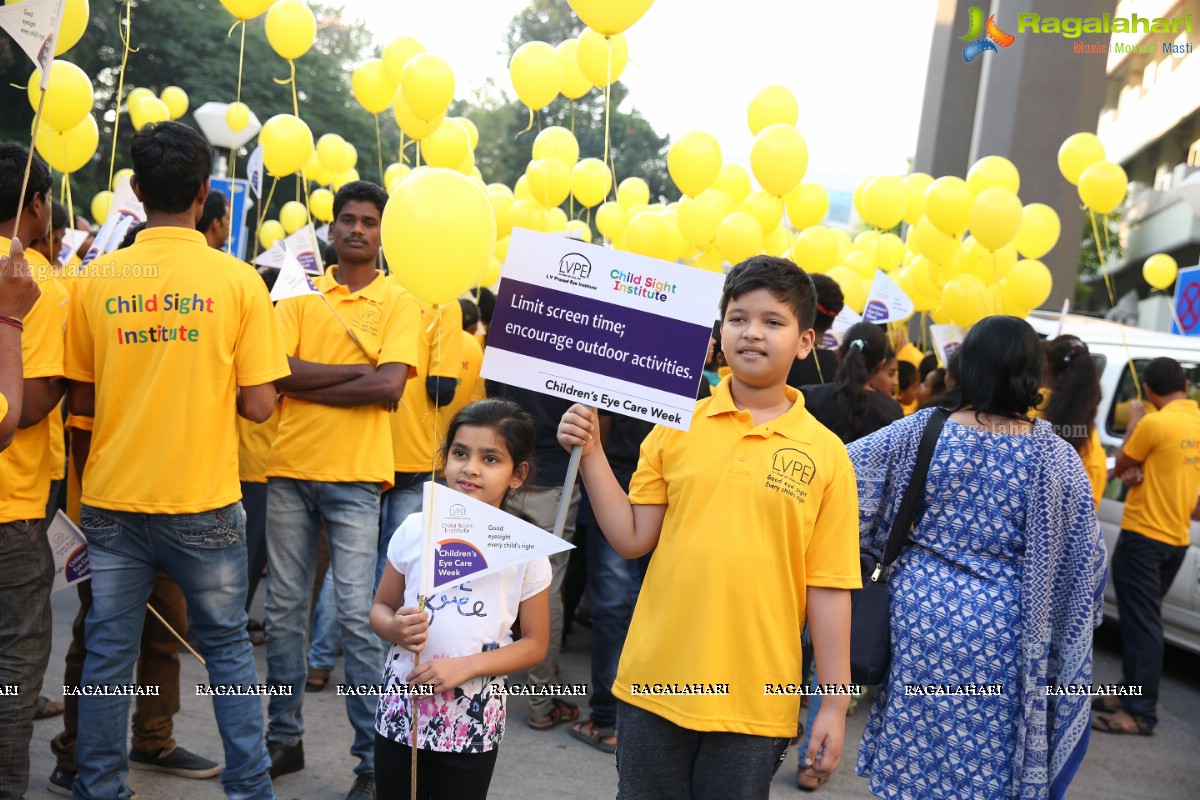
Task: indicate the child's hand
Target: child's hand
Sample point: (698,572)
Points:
(410,628)
(827,738)
(444,673)
(579,426)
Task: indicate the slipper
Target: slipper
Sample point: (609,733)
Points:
(1102,705)
(47,708)
(318,677)
(590,733)
(1106,723)
(560,713)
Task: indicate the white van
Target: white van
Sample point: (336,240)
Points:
(1108,342)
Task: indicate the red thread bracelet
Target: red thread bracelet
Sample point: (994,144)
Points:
(12,322)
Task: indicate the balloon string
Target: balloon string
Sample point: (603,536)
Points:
(403,159)
(379,149)
(71,207)
(528,127)
(607,113)
(125,34)
(418,153)
(233,150)
(262,213)
(1112,296)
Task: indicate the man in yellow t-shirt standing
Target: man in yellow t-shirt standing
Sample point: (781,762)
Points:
(1155,532)
(167,341)
(350,353)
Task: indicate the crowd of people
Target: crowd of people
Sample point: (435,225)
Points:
(211,446)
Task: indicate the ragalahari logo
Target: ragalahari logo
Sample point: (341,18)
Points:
(982,37)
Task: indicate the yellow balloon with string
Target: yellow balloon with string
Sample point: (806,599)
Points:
(287,144)
(549,181)
(147,111)
(646,235)
(806,205)
(413,126)
(916,184)
(994,217)
(101,202)
(993,172)
(884,201)
(610,17)
(694,162)
(69,95)
(967,299)
(699,218)
(773,105)
(1078,152)
(559,143)
(502,201)
(779,158)
(633,192)
(947,204)
(611,221)
(293,216)
(176,101)
(574,84)
(292,29)
(447,146)
(237,116)
(591,182)
(342,178)
(320,203)
(766,208)
(536,72)
(1039,231)
(854,291)
(601,59)
(246,9)
(71,150)
(815,249)
(1102,187)
(734,181)
(371,87)
(396,56)
(271,232)
(528,214)
(427,84)
(739,237)
(1160,270)
(331,152)
(1027,285)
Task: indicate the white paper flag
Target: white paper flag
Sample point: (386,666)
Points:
(33,25)
(254,170)
(292,280)
(70,552)
(886,302)
(946,340)
(303,245)
(471,539)
(845,318)
(72,239)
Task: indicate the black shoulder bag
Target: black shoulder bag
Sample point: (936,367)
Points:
(870,615)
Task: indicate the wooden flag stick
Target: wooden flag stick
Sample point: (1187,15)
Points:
(37,121)
(175,633)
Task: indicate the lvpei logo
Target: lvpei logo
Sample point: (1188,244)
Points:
(981,37)
(575,265)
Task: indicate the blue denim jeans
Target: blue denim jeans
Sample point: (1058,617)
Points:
(613,585)
(295,511)
(398,502)
(322,653)
(205,554)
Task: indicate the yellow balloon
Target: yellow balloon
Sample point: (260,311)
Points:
(447,146)
(610,17)
(884,201)
(967,299)
(739,237)
(581,227)
(779,159)
(557,142)
(1160,270)
(293,216)
(69,151)
(806,205)
(536,72)
(591,182)
(843,243)
(766,208)
(777,242)
(371,86)
(600,59)
(137,94)
(857,197)
(862,263)
(907,280)
(292,29)
(147,111)
(932,243)
(351,155)
(854,291)
(397,55)
(699,218)
(556,220)
(773,105)
(1078,152)
(439,234)
(734,181)
(916,184)
(1027,285)
(320,203)
(342,178)
(467,166)
(529,214)
(993,172)
(947,204)
(118,175)
(246,9)
(72,24)
(633,192)
(427,84)
(69,97)
(694,162)
(1102,187)
(287,144)
(1039,230)
(922,277)
(549,181)
(176,101)
(889,251)
(521,189)
(611,221)
(502,202)
(237,116)
(413,126)
(815,249)
(472,131)
(646,235)
(501,252)
(575,84)
(994,217)
(101,202)
(677,246)
(270,232)
(331,152)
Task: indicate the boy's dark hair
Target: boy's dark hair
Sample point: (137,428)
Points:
(830,302)
(12,172)
(906,374)
(928,364)
(863,349)
(511,423)
(786,282)
(470,313)
(58,216)
(487,305)
(171,161)
(131,235)
(1164,376)
(1075,385)
(998,368)
(215,206)
(364,191)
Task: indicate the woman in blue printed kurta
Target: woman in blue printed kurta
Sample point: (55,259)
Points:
(994,596)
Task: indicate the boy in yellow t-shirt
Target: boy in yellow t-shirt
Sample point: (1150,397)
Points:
(753,518)
(1155,533)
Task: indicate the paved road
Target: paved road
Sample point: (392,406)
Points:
(550,766)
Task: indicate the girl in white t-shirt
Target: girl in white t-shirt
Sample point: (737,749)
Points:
(463,634)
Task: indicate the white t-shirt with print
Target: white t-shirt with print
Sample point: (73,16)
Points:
(464,619)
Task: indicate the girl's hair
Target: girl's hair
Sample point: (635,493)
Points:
(1075,389)
(906,375)
(864,347)
(999,368)
(512,425)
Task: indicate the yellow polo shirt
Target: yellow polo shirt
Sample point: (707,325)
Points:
(317,442)
(755,515)
(167,329)
(1168,446)
(25,465)
(416,425)
(912,354)
(1095,459)
(254,447)
(470,386)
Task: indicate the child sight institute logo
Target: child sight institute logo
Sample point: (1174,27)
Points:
(991,36)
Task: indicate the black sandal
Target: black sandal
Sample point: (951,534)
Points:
(591,733)
(1105,724)
(560,713)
